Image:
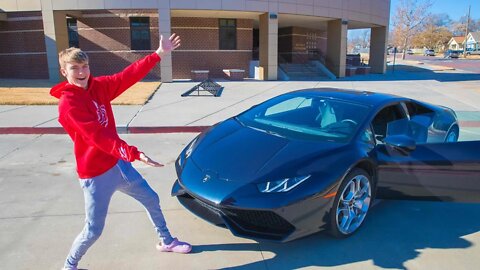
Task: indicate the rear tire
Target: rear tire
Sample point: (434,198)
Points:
(351,204)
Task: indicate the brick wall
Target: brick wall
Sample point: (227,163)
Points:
(200,47)
(22,46)
(105,36)
(184,62)
(106,63)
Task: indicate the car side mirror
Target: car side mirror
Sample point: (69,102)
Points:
(404,144)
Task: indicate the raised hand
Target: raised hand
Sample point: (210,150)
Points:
(168,45)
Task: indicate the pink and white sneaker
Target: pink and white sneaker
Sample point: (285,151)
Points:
(176,246)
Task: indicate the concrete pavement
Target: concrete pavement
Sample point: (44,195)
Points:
(42,205)
(42,212)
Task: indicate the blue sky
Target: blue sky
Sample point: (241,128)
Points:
(454,8)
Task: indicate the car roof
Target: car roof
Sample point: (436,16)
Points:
(363,97)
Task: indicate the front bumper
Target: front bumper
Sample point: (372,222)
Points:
(242,222)
(283,224)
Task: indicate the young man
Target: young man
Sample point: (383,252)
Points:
(103,159)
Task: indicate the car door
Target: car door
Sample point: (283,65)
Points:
(428,171)
(438,171)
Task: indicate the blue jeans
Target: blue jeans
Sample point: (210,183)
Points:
(97,193)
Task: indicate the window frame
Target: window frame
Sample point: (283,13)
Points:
(142,43)
(227,34)
(72,30)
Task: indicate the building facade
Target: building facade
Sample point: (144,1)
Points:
(216,34)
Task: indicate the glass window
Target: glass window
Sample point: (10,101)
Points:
(289,105)
(228,34)
(140,33)
(72,32)
(383,118)
(307,116)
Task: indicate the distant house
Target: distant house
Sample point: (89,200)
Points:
(472,42)
(456,43)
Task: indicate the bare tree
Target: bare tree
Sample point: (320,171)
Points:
(458,27)
(359,40)
(408,19)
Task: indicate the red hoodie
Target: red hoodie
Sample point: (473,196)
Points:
(86,115)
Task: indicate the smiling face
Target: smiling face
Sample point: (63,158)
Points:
(77,73)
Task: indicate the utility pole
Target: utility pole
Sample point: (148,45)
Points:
(466,32)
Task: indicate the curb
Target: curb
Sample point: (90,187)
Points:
(147,130)
(120,130)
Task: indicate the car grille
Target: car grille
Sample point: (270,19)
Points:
(254,223)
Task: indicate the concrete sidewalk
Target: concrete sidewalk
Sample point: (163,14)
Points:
(167,111)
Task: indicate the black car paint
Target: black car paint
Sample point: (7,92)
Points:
(398,175)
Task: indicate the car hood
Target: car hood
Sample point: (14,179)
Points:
(231,156)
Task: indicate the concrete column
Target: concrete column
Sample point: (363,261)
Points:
(56,38)
(164,28)
(269,45)
(378,49)
(337,47)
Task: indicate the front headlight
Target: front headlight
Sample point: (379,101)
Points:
(189,149)
(282,185)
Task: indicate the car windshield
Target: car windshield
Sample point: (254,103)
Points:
(306,116)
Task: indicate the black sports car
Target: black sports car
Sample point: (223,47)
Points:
(315,159)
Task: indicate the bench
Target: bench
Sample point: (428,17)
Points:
(363,70)
(199,75)
(350,71)
(234,74)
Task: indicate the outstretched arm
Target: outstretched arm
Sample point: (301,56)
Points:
(118,83)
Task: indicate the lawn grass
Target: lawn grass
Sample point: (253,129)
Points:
(37,92)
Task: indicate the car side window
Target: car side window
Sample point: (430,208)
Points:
(383,118)
(420,120)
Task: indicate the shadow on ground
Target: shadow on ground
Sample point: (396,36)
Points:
(394,233)
(406,73)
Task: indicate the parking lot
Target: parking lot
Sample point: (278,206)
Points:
(42,203)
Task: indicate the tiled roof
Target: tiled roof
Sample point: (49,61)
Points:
(459,40)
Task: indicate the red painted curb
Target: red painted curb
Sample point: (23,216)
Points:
(181,129)
(469,123)
(146,130)
(32,130)
(136,130)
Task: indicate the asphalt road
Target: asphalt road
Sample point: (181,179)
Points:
(467,64)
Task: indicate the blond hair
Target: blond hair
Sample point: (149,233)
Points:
(72,54)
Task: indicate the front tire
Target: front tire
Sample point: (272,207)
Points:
(452,135)
(351,203)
